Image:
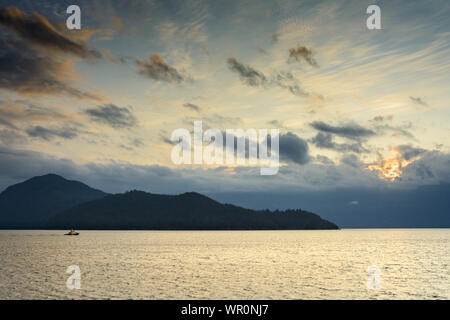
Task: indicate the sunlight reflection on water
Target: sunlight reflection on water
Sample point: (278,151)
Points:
(414,264)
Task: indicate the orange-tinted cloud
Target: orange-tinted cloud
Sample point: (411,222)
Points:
(37,59)
(392,169)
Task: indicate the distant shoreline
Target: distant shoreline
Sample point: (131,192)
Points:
(340,229)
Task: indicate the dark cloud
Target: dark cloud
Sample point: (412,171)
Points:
(157,69)
(293,149)
(248,75)
(287,81)
(33,56)
(350,131)
(409,152)
(191,106)
(255,78)
(112,115)
(37,30)
(18,165)
(325,141)
(418,101)
(302,53)
(26,71)
(51,133)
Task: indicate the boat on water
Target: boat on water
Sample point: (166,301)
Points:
(72,233)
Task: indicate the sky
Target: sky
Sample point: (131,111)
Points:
(356,108)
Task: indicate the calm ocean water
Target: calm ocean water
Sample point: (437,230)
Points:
(412,264)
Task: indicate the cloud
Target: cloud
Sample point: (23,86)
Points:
(166,140)
(33,57)
(26,71)
(382,118)
(112,115)
(396,131)
(157,69)
(37,30)
(137,142)
(247,74)
(293,148)
(409,152)
(191,106)
(11,137)
(132,144)
(418,101)
(302,53)
(6,123)
(287,81)
(111,58)
(255,78)
(350,131)
(26,112)
(325,141)
(352,161)
(51,133)
(17,165)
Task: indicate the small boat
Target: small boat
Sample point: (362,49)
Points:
(72,233)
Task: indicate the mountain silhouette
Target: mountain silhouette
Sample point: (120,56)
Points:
(188,211)
(53,202)
(29,204)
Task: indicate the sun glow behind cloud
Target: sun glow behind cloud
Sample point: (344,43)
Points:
(391,169)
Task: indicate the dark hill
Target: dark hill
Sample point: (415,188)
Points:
(29,204)
(188,211)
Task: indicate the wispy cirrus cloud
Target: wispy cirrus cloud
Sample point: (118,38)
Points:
(51,133)
(25,111)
